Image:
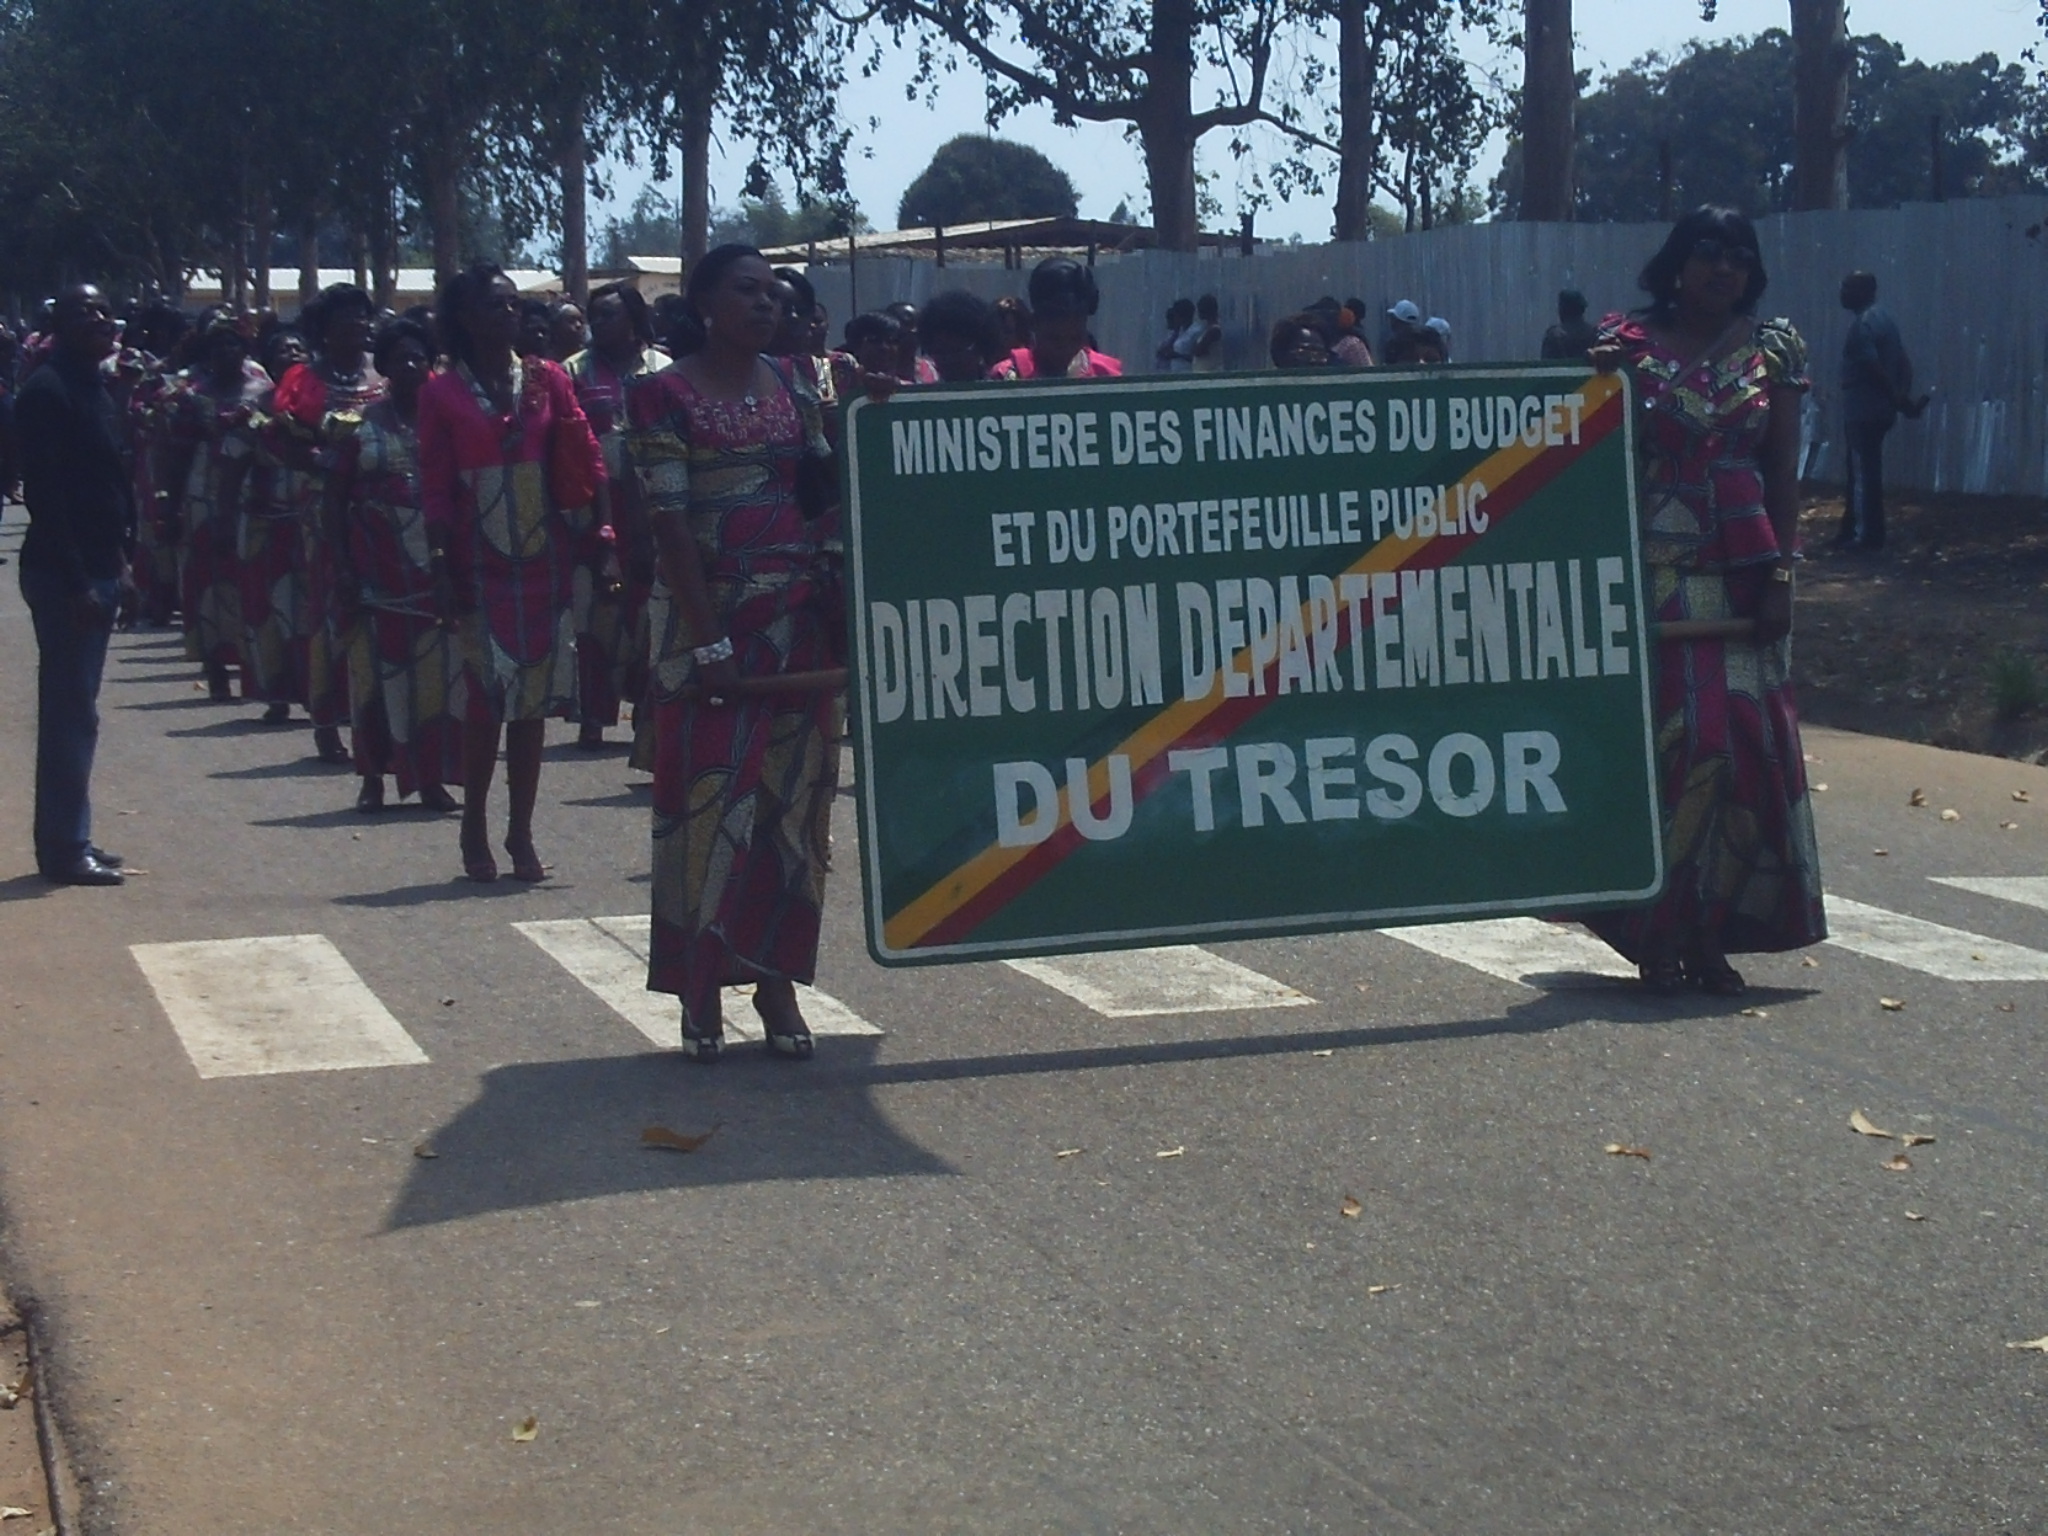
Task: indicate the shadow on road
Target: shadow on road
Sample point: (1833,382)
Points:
(407,813)
(545,1132)
(25,888)
(633,797)
(297,768)
(454,888)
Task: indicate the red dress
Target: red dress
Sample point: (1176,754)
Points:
(742,793)
(299,412)
(511,550)
(1085,364)
(1739,850)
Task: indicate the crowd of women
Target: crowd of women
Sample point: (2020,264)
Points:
(439,530)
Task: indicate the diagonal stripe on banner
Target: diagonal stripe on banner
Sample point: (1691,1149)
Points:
(982,885)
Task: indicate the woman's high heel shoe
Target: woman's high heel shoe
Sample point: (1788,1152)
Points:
(788,1037)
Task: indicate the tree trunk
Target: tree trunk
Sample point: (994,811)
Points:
(359,258)
(1820,104)
(1550,108)
(575,210)
(696,205)
(381,238)
(264,238)
(309,258)
(1357,145)
(1166,126)
(442,174)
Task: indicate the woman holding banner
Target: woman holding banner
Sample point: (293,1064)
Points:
(735,478)
(1719,395)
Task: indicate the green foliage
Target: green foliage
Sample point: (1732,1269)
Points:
(975,177)
(767,221)
(2016,685)
(1724,112)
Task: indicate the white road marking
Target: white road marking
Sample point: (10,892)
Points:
(609,956)
(1523,950)
(1950,953)
(1177,978)
(2027,890)
(251,1007)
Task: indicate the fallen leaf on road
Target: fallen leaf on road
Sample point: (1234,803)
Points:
(2005,1007)
(1897,1164)
(1860,1123)
(1820,789)
(447,1002)
(1616,1149)
(2022,796)
(1918,797)
(664,1328)
(1071,1152)
(14,1512)
(1172,1152)
(1881,853)
(2008,826)
(1381,1290)
(1809,962)
(25,1387)
(2040,1344)
(1754,1013)
(666,1140)
(1352,1206)
(1322,1053)
(527,1429)
(424,1151)
(1951,814)
(587,1305)
(1914,1216)
(1891,1004)
(1915,1139)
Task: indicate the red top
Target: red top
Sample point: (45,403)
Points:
(1087,364)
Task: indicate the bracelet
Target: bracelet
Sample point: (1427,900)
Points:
(717,650)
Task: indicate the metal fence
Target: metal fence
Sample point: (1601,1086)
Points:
(1965,281)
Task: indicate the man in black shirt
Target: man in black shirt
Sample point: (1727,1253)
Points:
(74,573)
(1573,336)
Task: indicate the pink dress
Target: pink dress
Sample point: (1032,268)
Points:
(1087,364)
(485,477)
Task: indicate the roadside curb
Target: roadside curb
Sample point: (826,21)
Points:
(57,1471)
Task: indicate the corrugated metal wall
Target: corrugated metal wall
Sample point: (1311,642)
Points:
(1967,281)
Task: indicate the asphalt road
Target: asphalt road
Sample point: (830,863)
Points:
(881,1300)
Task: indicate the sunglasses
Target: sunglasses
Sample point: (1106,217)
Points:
(1712,251)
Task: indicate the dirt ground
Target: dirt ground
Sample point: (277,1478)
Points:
(21,1468)
(1903,643)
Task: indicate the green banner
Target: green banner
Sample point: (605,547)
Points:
(1219,657)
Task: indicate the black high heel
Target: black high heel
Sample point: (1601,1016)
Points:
(1661,975)
(790,1044)
(703,1047)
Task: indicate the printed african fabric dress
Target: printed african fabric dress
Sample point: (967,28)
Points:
(742,792)
(1739,849)
(511,551)
(301,460)
(272,560)
(610,615)
(156,528)
(406,676)
(215,431)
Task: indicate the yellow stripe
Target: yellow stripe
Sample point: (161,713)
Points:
(1177,721)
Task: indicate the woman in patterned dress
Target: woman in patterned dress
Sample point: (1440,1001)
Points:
(208,416)
(612,578)
(500,438)
(733,469)
(1719,395)
(391,577)
(339,379)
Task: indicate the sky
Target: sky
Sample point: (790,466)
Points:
(1106,168)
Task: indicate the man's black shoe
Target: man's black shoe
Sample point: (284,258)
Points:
(87,871)
(111,860)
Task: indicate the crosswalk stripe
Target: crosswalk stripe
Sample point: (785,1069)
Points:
(1177,978)
(256,1006)
(609,956)
(2027,890)
(1523,950)
(1953,954)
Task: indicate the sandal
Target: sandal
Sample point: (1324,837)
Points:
(703,1047)
(526,864)
(478,865)
(1716,978)
(327,743)
(435,798)
(791,1044)
(1662,975)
